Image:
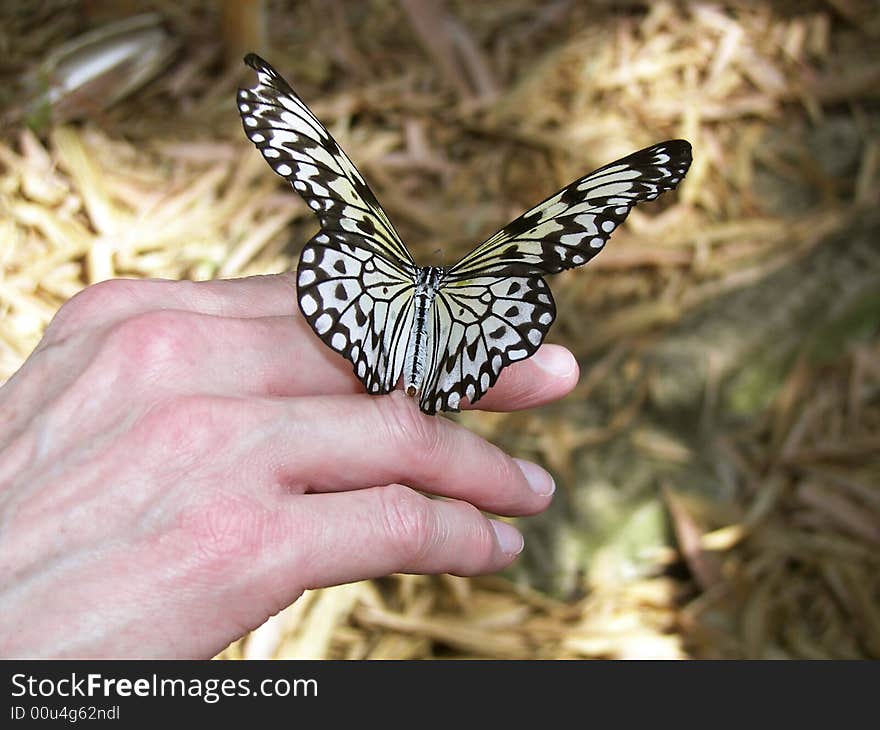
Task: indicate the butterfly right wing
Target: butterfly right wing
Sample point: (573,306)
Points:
(572,226)
(478,327)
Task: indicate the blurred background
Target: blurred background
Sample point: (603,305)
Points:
(718,466)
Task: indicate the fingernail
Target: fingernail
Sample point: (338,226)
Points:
(509,538)
(555,360)
(540,481)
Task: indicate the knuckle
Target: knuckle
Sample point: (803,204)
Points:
(408,522)
(103,297)
(153,338)
(479,536)
(420,437)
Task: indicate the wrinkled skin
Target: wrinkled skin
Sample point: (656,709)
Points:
(179,461)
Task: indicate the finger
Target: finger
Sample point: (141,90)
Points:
(335,443)
(111,301)
(339,538)
(548,375)
(281,356)
(262,356)
(284,357)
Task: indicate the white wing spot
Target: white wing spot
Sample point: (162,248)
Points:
(309,304)
(622,210)
(283,170)
(257,137)
(577,259)
(306,277)
(514,355)
(250,121)
(338,341)
(308,254)
(484,382)
(454,400)
(271,152)
(545,318)
(314,204)
(597,242)
(608,226)
(535,337)
(323,323)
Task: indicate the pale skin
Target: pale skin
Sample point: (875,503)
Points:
(180,461)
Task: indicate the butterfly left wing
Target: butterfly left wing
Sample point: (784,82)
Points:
(572,226)
(360,304)
(355,277)
(478,327)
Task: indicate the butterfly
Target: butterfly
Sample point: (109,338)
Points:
(445,333)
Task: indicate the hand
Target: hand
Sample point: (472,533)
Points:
(179,461)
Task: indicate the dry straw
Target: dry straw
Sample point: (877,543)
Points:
(498,106)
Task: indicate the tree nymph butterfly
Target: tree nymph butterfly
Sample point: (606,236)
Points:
(445,333)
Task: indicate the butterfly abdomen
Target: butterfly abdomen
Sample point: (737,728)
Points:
(427,283)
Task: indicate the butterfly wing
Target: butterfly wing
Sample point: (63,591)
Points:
(494,308)
(355,278)
(572,226)
(301,150)
(360,304)
(478,327)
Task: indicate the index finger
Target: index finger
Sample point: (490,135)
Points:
(111,301)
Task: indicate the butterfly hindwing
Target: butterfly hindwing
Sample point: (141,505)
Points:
(572,226)
(478,327)
(360,304)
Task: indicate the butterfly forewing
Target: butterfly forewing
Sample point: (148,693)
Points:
(301,150)
(572,226)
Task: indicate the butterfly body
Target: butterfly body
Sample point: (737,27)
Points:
(442,333)
(426,285)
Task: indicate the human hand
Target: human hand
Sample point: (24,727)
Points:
(179,461)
